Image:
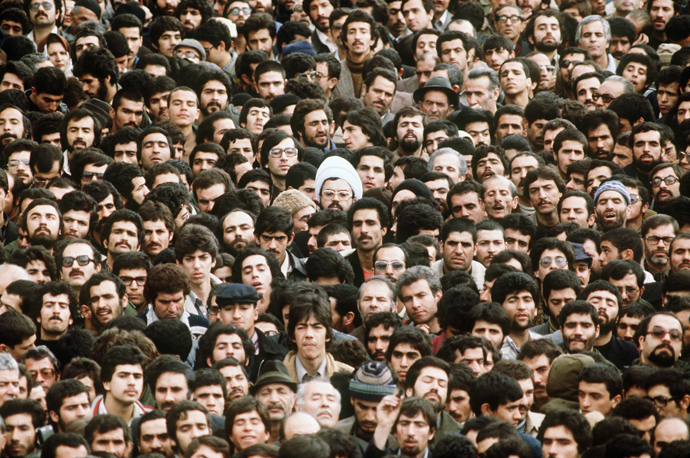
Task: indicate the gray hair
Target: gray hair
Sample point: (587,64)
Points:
(39,353)
(302,391)
(7,363)
(428,55)
(627,85)
(414,274)
(462,163)
(511,185)
(588,20)
(380,279)
(465,22)
(480,72)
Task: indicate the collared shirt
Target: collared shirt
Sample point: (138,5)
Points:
(255,341)
(509,349)
(304,376)
(286,267)
(325,39)
(31,36)
(441,21)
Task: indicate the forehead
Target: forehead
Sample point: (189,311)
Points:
(579,317)
(664,172)
(665,321)
(358,25)
(155,137)
(375,287)
(254,260)
(76,249)
(513,66)
(320,387)
(183,95)
(43,210)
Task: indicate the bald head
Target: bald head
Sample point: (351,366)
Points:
(300,424)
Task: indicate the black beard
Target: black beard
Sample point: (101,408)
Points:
(409,146)
(663,359)
(102,89)
(543,47)
(45,240)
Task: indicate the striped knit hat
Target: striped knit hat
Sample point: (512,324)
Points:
(372,381)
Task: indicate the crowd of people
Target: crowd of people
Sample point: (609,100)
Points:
(344,229)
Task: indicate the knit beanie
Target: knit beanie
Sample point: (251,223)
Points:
(613,185)
(89,5)
(372,381)
(336,167)
(195,45)
(416,186)
(293,201)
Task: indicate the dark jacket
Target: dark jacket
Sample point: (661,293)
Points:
(317,44)
(619,352)
(299,270)
(353,259)
(269,350)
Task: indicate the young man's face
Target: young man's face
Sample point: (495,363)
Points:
(236,383)
(594,397)
(169,305)
(112,442)
(123,238)
(104,304)
(256,118)
(126,152)
(357,37)
(248,429)
(73,408)
(155,149)
(127,383)
(183,108)
(432,385)
(193,425)
(171,387)
(20,435)
(18,164)
(270,85)
(414,434)
(521,308)
(579,332)
(490,331)
(199,265)
(421,303)
(558,442)
(80,133)
(260,39)
(153,438)
(211,397)
(167,42)
(311,337)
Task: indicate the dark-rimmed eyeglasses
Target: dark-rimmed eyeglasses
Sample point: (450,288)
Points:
(83,260)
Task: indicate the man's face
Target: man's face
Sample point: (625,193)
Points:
(358,39)
(193,425)
(574,210)
(468,206)
(498,198)
(279,400)
(18,164)
(595,176)
(55,315)
(657,243)
(519,168)
(169,305)
(128,114)
(609,90)
(371,172)
(379,95)
(547,33)
(238,232)
(453,52)
(416,17)
(558,442)
(377,342)
(657,347)
(248,429)
(76,274)
(367,231)
(389,262)
(606,304)
(155,149)
(211,397)
(320,401)
(167,42)
(488,166)
(514,81)
(214,97)
(579,333)
(448,164)
(544,195)
(153,438)
(660,12)
(611,210)
(199,265)
(410,133)
(183,108)
(275,243)
(279,166)
(570,151)
(256,273)
(593,39)
(421,303)
(647,149)
(73,408)
(11,125)
(80,133)
(354,138)
(521,308)
(270,85)
(436,105)
(489,244)
(509,22)
(509,125)
(242,315)
(111,442)
(320,12)
(432,385)
(403,356)
(20,435)
(236,383)
(123,238)
(458,251)
(311,337)
(665,184)
(439,189)
(594,397)
(134,280)
(157,237)
(171,387)
(601,142)
(127,383)
(316,129)
(495,57)
(413,434)
(158,105)
(426,44)
(261,40)
(105,303)
(43,17)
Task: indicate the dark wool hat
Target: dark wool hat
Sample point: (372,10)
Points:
(372,381)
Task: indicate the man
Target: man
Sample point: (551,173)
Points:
(518,293)
(154,146)
(490,241)
(647,141)
(565,433)
(368,222)
(409,126)
(78,261)
(183,105)
(379,89)
(276,390)
(600,389)
(465,200)
(309,327)
(12,124)
(577,207)
(370,383)
(22,418)
(123,231)
(312,123)
(601,129)
(273,232)
(665,181)
(153,434)
(42,222)
(453,48)
(127,110)
(122,378)
(159,227)
(56,313)
(246,423)
(544,32)
(669,385)
(660,340)
(611,205)
(579,324)
(378,330)
(520,164)
(658,232)
(47,90)
(449,162)
(43,21)
(238,231)
(482,89)
(237,306)
(419,289)
(209,388)
(428,379)
(496,395)
(166,377)
(372,166)
(593,34)
(515,82)
(669,430)
(436,99)
(321,400)
(186,421)
(458,246)
(544,187)
(67,402)
(9,376)
(102,299)
(660,12)
(97,70)
(570,145)
(558,288)
(414,423)
(319,12)
(358,43)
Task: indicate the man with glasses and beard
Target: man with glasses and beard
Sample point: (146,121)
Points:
(337,184)
(606,299)
(43,15)
(12,124)
(659,338)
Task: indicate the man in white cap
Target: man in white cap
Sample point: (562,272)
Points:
(337,184)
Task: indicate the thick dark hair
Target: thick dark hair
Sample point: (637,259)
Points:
(578,307)
(98,62)
(97,279)
(425,361)
(24,406)
(71,440)
(370,123)
(635,408)
(550,243)
(313,303)
(179,411)
(495,389)
(120,355)
(161,25)
(193,237)
(61,390)
(625,445)
(644,59)
(673,379)
(413,336)
(600,285)
(243,405)
(259,21)
(511,283)
(214,32)
(573,421)
(326,262)
(274,219)
(123,215)
(632,106)
(49,80)
(369,203)
(491,312)
(208,341)
(625,238)
(603,373)
(166,278)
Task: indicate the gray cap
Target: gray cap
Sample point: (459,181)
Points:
(192,43)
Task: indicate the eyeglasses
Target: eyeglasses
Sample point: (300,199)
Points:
(661,401)
(568,63)
(45,5)
(236,11)
(15,163)
(561,262)
(337,27)
(654,240)
(629,290)
(277,152)
(607,98)
(669,180)
(342,195)
(311,76)
(90,175)
(128,280)
(548,68)
(634,199)
(513,19)
(213,310)
(83,260)
(187,54)
(658,333)
(45,373)
(383,265)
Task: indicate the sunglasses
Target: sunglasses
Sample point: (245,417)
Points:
(83,260)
